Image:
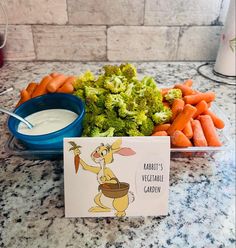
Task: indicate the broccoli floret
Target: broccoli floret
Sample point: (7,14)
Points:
(149,81)
(113,100)
(162,116)
(92,94)
(100,120)
(140,117)
(128,70)
(116,84)
(84,79)
(123,111)
(96,132)
(173,94)
(134,132)
(147,127)
(111,70)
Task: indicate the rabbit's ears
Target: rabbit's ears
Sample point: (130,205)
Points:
(124,151)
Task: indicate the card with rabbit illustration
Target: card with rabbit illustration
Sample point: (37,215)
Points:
(116,176)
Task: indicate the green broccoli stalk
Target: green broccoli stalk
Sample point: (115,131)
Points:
(96,132)
(173,94)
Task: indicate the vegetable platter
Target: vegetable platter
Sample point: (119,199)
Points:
(119,104)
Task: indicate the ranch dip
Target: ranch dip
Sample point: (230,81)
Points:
(47,121)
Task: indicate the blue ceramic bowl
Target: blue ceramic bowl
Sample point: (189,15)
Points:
(52,140)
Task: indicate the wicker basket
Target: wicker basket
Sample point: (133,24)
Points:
(116,190)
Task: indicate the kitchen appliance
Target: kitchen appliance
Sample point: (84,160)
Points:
(225,61)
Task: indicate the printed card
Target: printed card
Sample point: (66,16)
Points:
(116,176)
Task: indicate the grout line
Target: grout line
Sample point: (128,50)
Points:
(67,12)
(34,43)
(144,10)
(113,25)
(107,43)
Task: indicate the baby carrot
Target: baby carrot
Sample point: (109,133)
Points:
(24,97)
(31,88)
(201,107)
(56,83)
(188,82)
(182,119)
(188,131)
(179,139)
(42,87)
(186,90)
(66,88)
(70,79)
(54,74)
(160,133)
(209,130)
(195,99)
(161,127)
(216,120)
(198,135)
(164,91)
(177,107)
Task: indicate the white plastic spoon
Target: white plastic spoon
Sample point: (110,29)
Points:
(28,124)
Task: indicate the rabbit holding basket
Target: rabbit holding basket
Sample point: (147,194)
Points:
(114,195)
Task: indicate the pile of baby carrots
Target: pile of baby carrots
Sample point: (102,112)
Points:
(51,83)
(192,123)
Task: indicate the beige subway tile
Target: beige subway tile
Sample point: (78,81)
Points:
(142,43)
(127,12)
(182,12)
(19,44)
(36,12)
(199,43)
(70,42)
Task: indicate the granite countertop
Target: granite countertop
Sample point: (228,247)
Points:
(202,189)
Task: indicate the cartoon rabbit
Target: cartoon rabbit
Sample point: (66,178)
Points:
(103,155)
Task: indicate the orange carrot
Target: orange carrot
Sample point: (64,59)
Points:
(177,107)
(161,127)
(24,97)
(179,139)
(66,88)
(188,82)
(195,99)
(201,107)
(160,133)
(209,130)
(31,88)
(182,119)
(198,135)
(186,90)
(54,74)
(188,131)
(42,87)
(70,79)
(164,91)
(216,120)
(56,83)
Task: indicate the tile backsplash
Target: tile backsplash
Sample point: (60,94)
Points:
(114,30)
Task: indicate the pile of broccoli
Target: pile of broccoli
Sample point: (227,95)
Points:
(118,104)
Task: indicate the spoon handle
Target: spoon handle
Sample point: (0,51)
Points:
(29,125)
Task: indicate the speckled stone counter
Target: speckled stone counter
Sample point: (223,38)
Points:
(202,190)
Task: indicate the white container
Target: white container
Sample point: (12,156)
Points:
(225,61)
